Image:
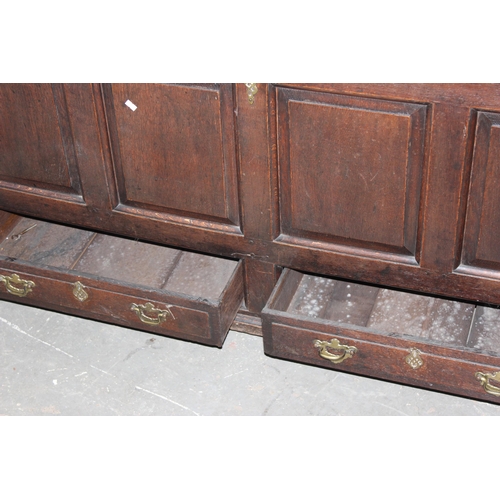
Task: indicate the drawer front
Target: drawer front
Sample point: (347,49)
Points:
(80,297)
(411,363)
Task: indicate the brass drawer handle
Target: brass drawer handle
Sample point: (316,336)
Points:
(485,378)
(143,311)
(323,346)
(16,285)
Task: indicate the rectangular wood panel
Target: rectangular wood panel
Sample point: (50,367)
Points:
(481,242)
(36,145)
(350,169)
(173,148)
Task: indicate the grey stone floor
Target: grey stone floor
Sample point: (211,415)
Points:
(54,364)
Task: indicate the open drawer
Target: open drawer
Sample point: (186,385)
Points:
(403,337)
(135,284)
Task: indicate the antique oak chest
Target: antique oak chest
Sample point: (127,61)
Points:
(353,226)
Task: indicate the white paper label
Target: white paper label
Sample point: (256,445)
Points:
(131,105)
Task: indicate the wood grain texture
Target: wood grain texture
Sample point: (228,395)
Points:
(247,323)
(384,360)
(231,300)
(351,169)
(480,95)
(128,261)
(200,276)
(255,129)
(442,321)
(45,244)
(52,154)
(481,247)
(175,152)
(260,278)
(111,306)
(257,183)
(31,138)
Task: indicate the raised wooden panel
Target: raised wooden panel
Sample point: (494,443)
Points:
(481,242)
(350,170)
(36,145)
(174,149)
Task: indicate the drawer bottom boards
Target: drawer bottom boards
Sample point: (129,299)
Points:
(117,280)
(403,337)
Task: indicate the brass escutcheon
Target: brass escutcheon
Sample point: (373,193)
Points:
(251,91)
(79,292)
(414,359)
(143,311)
(346,350)
(16,285)
(485,378)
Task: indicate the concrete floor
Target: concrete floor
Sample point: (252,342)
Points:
(53,364)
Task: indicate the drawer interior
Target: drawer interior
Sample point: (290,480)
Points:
(387,312)
(49,245)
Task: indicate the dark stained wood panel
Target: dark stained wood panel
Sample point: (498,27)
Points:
(472,95)
(36,147)
(176,151)
(481,243)
(351,169)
